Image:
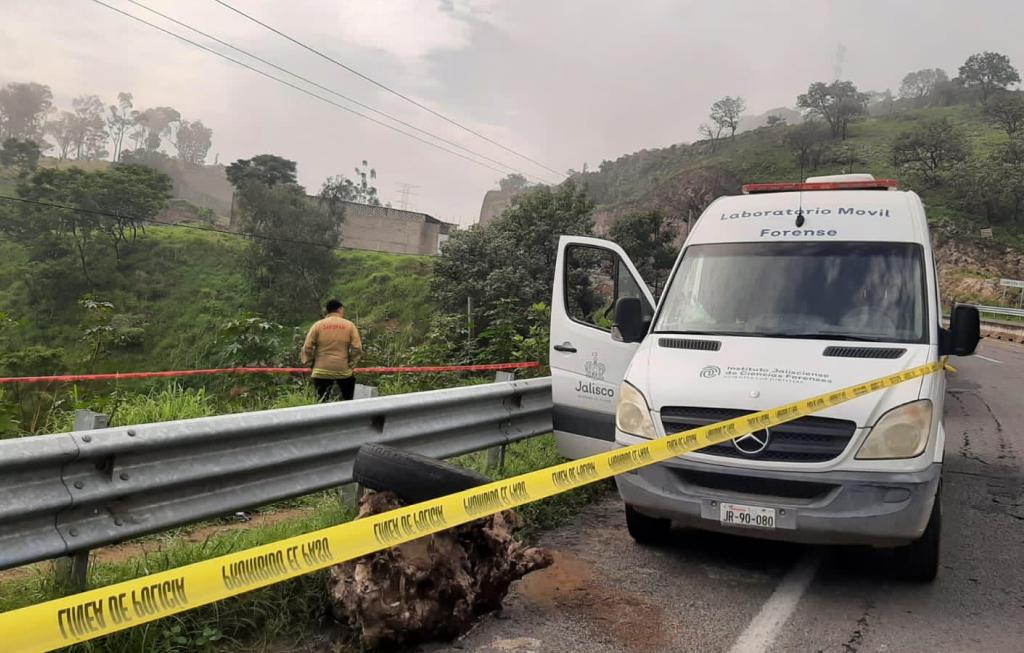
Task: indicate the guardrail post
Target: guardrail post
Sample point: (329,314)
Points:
(72,571)
(496,455)
(351,493)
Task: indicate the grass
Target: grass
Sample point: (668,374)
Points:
(385,291)
(289,615)
(187,284)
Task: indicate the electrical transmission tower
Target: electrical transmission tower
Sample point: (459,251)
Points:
(404,191)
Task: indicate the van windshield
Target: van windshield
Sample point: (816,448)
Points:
(840,290)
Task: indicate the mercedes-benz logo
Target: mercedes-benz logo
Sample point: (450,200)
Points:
(753,443)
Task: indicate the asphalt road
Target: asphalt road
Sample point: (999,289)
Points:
(710,592)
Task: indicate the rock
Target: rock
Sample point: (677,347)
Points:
(970,267)
(432,588)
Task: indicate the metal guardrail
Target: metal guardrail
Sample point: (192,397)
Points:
(69,492)
(1000,310)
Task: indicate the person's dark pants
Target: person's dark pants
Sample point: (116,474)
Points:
(346,386)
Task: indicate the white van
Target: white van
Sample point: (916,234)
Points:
(779,294)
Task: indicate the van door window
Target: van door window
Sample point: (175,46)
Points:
(596,278)
(590,285)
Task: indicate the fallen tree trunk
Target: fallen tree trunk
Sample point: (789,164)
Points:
(432,588)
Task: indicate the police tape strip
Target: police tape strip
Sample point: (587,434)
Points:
(102,611)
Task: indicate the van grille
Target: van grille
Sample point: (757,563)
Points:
(809,439)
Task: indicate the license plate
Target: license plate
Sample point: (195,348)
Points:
(732,514)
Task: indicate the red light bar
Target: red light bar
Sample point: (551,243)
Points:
(783,187)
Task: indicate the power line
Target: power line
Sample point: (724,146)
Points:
(298,88)
(330,90)
(119,216)
(385,87)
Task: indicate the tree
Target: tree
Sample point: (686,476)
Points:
(132,194)
(342,189)
(689,193)
(265,169)
(725,113)
(994,186)
(156,123)
(930,149)
(290,263)
(988,72)
(948,93)
(808,141)
(22,154)
(366,192)
(649,241)
(775,121)
(838,104)
(193,141)
(23,110)
(513,183)
(88,128)
(513,256)
(710,134)
(120,119)
(920,85)
(1007,112)
(63,129)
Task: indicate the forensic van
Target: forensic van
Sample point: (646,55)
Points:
(779,294)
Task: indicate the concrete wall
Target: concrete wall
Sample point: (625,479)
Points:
(495,201)
(382,229)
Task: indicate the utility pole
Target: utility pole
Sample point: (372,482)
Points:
(405,190)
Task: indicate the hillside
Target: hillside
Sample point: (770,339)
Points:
(184,286)
(201,193)
(681,179)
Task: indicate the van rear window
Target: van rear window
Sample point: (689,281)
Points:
(868,291)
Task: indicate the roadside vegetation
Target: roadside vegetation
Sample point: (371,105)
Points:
(293,615)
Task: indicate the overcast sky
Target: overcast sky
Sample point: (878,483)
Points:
(563,82)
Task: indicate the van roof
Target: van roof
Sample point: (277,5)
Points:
(856,215)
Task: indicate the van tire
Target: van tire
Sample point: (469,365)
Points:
(412,477)
(919,560)
(646,530)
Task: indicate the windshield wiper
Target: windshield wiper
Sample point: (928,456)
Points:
(824,335)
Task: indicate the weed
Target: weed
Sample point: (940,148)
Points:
(291,614)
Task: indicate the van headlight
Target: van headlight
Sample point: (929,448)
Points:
(900,433)
(632,415)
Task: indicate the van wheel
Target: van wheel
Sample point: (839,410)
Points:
(646,530)
(919,560)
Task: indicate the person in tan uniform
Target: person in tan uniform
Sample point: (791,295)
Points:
(334,346)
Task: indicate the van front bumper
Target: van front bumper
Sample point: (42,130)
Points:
(872,508)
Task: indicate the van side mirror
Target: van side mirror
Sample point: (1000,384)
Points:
(964,332)
(629,320)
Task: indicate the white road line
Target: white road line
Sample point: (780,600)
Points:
(986,358)
(762,631)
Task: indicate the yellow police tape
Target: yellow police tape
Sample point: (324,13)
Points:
(98,612)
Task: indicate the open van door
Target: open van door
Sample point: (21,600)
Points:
(587,363)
